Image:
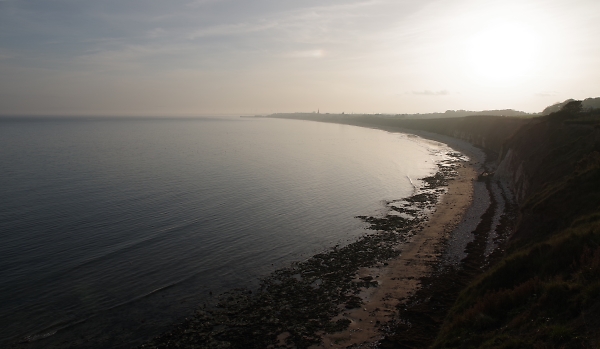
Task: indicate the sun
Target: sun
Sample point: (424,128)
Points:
(502,52)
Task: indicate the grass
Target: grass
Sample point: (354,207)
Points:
(545,292)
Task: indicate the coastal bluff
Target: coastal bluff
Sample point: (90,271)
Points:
(542,289)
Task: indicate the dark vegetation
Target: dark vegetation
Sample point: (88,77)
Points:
(545,291)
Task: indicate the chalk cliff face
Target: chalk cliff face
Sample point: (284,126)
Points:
(546,150)
(548,163)
(511,169)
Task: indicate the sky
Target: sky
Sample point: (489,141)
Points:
(227,57)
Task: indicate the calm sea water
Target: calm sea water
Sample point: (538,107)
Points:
(110,230)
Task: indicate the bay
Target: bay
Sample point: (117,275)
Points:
(113,229)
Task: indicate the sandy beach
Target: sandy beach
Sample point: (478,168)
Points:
(400,278)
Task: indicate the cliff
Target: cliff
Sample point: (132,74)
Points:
(545,290)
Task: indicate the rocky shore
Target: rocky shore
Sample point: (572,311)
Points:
(357,295)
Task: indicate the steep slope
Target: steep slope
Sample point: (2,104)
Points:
(545,292)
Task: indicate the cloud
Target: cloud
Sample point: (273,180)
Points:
(431,93)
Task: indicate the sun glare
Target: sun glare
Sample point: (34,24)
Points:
(504,52)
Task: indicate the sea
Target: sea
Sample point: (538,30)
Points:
(114,229)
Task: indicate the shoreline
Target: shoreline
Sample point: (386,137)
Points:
(423,253)
(419,316)
(347,296)
(401,277)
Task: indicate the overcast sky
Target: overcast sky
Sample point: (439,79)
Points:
(203,57)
